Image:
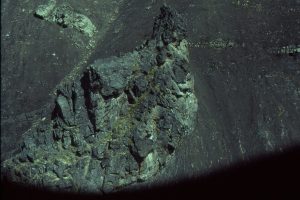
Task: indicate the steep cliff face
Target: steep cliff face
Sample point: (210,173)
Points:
(116,124)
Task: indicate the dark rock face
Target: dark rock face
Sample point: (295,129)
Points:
(117,123)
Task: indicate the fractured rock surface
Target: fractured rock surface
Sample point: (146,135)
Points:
(116,124)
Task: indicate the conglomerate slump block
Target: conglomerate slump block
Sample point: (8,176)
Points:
(116,124)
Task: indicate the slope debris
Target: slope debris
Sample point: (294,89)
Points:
(116,124)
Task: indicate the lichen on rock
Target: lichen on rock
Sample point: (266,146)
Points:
(116,124)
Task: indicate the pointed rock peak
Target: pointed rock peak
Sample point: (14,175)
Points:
(169,26)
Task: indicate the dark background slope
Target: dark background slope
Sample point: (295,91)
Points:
(248,92)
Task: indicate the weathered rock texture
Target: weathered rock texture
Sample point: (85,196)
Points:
(116,124)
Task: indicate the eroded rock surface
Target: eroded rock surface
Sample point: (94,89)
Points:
(116,124)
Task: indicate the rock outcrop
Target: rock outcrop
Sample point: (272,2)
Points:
(116,124)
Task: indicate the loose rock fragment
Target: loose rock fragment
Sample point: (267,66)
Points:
(65,16)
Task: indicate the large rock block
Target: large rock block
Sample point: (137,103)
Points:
(119,122)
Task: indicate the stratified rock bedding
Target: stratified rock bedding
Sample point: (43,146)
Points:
(116,124)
